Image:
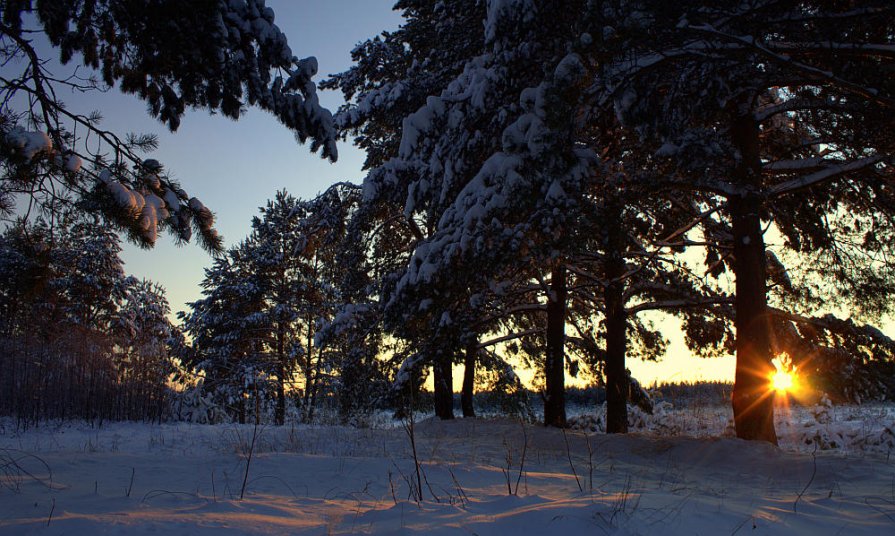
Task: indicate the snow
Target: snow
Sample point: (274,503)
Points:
(153,212)
(501,12)
(136,479)
(569,70)
(123,195)
(172,200)
(556,192)
(30,143)
(72,163)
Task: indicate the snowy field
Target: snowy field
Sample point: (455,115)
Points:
(679,473)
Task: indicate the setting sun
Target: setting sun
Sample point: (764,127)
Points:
(784,377)
(782,381)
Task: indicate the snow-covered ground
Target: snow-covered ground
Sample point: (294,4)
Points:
(678,473)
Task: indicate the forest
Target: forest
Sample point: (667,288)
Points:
(534,187)
(543,182)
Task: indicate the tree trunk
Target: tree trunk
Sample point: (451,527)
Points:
(309,362)
(444,381)
(241,410)
(315,389)
(281,378)
(466,396)
(753,399)
(555,366)
(617,385)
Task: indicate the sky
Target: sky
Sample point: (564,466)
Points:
(234,167)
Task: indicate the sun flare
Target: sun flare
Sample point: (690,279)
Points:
(783,379)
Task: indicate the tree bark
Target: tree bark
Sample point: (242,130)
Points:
(554,366)
(281,378)
(466,396)
(309,369)
(753,399)
(617,385)
(444,382)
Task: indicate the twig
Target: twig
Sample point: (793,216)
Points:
(464,500)
(431,491)
(409,429)
(12,471)
(590,463)
(621,504)
(522,461)
(810,480)
(151,494)
(877,508)
(742,523)
(245,477)
(131,485)
(506,472)
(52,508)
(572,465)
(391,485)
(278,479)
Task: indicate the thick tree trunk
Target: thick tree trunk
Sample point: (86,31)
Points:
(554,367)
(753,399)
(616,330)
(466,395)
(444,382)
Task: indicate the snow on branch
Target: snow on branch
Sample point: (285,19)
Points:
(869,49)
(510,337)
(827,173)
(869,93)
(677,304)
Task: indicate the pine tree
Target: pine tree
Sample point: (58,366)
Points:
(90,276)
(219,55)
(278,268)
(373,248)
(143,335)
(394,77)
(443,145)
(82,339)
(773,108)
(227,328)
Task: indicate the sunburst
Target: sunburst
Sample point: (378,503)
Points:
(784,379)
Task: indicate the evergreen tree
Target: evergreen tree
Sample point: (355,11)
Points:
(81,339)
(143,335)
(90,279)
(279,269)
(227,329)
(775,108)
(443,145)
(219,55)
